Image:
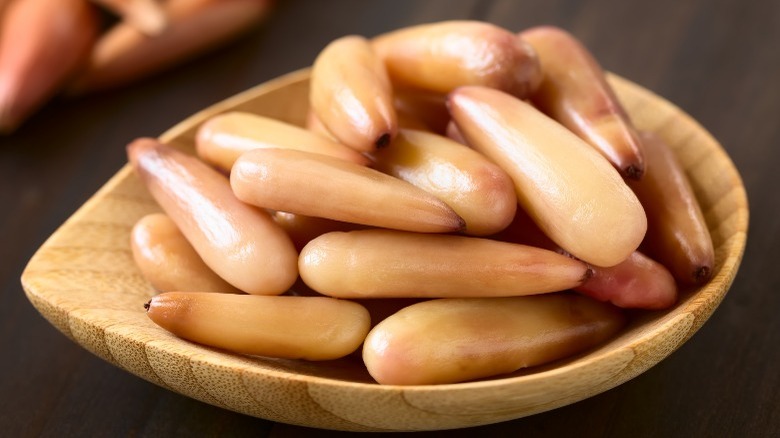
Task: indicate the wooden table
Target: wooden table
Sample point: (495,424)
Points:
(717,59)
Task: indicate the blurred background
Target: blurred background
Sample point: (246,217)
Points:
(716,59)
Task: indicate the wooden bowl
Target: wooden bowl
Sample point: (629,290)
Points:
(84,281)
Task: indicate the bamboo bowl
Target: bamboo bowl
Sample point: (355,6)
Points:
(84,281)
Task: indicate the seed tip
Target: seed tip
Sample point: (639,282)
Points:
(460,224)
(383,140)
(634,171)
(701,274)
(589,273)
(147,305)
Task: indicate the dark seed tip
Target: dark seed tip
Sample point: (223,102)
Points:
(147,305)
(589,273)
(701,274)
(634,172)
(461,225)
(383,140)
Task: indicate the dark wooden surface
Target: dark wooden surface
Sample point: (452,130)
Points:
(717,59)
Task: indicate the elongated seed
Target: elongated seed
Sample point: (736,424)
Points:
(477,189)
(223,138)
(575,92)
(42,44)
(442,56)
(388,263)
(123,54)
(317,185)
(313,328)
(454,340)
(637,282)
(677,233)
(352,96)
(575,196)
(168,261)
(242,244)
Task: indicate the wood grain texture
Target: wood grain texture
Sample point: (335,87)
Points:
(84,282)
(716,59)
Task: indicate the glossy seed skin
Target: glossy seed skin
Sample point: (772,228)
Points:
(43,43)
(314,125)
(223,138)
(312,328)
(637,282)
(456,340)
(316,185)
(440,57)
(242,244)
(575,92)
(572,193)
(677,234)
(302,229)
(168,261)
(390,264)
(352,96)
(478,190)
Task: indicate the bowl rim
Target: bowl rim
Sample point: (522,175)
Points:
(694,309)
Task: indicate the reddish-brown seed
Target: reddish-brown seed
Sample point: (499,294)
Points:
(42,44)
(637,282)
(123,54)
(575,92)
(677,234)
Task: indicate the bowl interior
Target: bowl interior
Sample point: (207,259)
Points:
(84,281)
